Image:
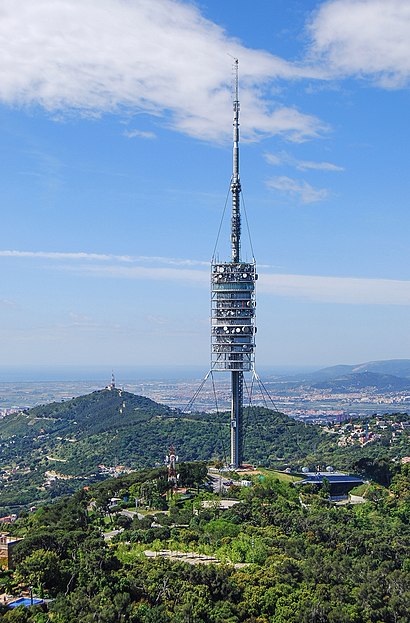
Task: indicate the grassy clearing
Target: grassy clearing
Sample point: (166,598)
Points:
(281,476)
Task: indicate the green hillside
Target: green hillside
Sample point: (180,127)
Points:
(58,448)
(113,426)
(97,412)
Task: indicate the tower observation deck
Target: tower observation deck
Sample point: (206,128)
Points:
(233,305)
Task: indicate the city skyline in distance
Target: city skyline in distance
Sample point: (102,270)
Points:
(116,164)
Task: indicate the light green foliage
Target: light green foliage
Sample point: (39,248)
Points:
(320,564)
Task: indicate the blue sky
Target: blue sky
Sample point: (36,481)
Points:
(116,123)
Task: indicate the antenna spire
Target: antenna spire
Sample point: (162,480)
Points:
(233,304)
(236,183)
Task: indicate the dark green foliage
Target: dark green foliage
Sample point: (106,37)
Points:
(315,564)
(98,428)
(71,439)
(378,469)
(114,427)
(192,474)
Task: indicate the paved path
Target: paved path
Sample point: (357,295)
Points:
(357,499)
(131,514)
(191,558)
(109,535)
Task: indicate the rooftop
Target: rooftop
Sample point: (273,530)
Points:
(332,477)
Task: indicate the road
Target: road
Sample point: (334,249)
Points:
(219,482)
(131,514)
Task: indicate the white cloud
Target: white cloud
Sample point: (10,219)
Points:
(80,320)
(161,57)
(60,255)
(7,304)
(303,165)
(340,290)
(103,257)
(300,165)
(349,290)
(139,134)
(141,272)
(297,188)
(275,159)
(364,38)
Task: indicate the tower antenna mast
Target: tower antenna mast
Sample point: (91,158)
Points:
(236,182)
(233,303)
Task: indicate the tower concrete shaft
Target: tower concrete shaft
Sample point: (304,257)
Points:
(237,419)
(233,305)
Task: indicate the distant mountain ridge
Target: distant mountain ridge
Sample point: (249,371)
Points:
(363,380)
(391,375)
(394,367)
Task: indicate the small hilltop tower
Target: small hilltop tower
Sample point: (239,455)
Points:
(233,305)
(111,385)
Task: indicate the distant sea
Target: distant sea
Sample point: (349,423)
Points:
(63,373)
(95,373)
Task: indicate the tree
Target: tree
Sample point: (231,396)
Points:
(193,605)
(191,474)
(42,570)
(380,469)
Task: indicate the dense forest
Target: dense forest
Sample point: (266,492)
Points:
(56,449)
(113,425)
(280,555)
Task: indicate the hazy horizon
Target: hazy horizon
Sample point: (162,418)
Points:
(125,373)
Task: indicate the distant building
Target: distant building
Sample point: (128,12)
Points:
(8,518)
(339,484)
(7,544)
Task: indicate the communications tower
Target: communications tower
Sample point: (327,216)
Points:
(233,304)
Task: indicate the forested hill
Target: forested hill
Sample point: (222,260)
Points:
(116,427)
(101,411)
(58,448)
